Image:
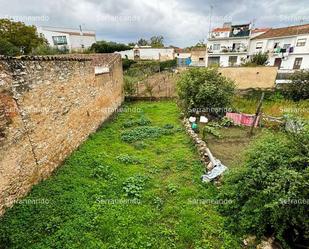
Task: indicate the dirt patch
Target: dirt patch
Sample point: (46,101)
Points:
(231,146)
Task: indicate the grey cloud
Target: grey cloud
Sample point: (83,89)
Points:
(181,22)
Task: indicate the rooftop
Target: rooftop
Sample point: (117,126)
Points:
(285,31)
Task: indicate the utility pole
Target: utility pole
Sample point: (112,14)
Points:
(210,15)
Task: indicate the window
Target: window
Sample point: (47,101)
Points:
(286,46)
(297,63)
(201,59)
(232,60)
(60,40)
(216,46)
(259,45)
(301,42)
(236,46)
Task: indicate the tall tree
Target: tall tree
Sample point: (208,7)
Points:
(142,42)
(157,41)
(18,37)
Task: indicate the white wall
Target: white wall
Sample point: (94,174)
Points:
(289,58)
(74,41)
(149,53)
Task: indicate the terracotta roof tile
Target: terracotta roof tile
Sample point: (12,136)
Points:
(221,29)
(285,31)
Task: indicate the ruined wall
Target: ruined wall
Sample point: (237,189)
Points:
(251,77)
(48,106)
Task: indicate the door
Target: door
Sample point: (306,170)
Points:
(278,62)
(297,63)
(214,61)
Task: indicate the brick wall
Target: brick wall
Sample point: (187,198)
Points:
(48,106)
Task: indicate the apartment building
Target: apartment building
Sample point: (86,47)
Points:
(68,39)
(287,47)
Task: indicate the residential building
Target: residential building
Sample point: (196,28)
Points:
(183,58)
(287,47)
(65,38)
(148,53)
(198,57)
(228,46)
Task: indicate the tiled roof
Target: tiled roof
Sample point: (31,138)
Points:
(221,29)
(285,31)
(257,30)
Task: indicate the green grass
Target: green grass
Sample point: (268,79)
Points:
(276,108)
(89,201)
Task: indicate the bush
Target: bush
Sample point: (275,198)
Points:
(7,48)
(127,63)
(204,88)
(299,87)
(164,65)
(108,47)
(259,59)
(47,50)
(269,191)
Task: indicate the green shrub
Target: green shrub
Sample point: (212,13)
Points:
(127,63)
(140,133)
(207,129)
(127,159)
(204,88)
(275,175)
(103,172)
(134,186)
(259,59)
(7,48)
(164,65)
(143,121)
(299,87)
(226,122)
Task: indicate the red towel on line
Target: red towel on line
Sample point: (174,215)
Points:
(242,119)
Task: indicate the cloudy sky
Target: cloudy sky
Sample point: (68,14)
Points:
(181,22)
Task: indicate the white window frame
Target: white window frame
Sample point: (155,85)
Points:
(301,42)
(259,45)
(216,45)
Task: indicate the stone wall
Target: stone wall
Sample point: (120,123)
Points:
(48,106)
(251,77)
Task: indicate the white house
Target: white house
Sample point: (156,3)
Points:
(287,47)
(148,53)
(228,46)
(65,38)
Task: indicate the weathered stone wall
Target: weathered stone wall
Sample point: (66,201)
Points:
(48,106)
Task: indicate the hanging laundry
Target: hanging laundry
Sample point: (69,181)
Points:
(242,119)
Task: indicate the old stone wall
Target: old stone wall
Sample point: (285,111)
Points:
(48,106)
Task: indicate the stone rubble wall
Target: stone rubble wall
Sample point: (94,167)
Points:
(48,107)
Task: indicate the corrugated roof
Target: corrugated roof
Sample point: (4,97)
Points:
(285,31)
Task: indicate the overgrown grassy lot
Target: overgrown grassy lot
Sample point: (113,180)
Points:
(133,184)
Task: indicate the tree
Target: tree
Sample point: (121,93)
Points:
(157,41)
(142,42)
(259,59)
(299,87)
(20,36)
(7,48)
(205,88)
(131,44)
(270,191)
(108,47)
